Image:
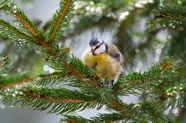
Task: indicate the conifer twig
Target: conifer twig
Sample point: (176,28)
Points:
(14,30)
(60,18)
(26,80)
(26,23)
(44,97)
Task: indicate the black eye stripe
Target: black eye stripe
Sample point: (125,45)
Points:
(98,46)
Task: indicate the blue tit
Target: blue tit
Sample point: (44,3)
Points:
(105,58)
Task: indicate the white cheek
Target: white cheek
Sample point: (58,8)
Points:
(100,50)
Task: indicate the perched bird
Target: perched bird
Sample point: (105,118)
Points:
(105,58)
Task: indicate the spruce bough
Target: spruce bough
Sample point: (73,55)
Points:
(26,89)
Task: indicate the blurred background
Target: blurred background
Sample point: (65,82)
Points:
(122,22)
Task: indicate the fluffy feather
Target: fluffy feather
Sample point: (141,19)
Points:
(108,64)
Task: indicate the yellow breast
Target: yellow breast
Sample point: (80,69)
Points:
(104,64)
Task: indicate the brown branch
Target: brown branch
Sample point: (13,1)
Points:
(165,66)
(14,30)
(28,79)
(118,89)
(69,121)
(26,24)
(30,93)
(3,62)
(50,76)
(49,48)
(64,12)
(116,105)
(30,29)
(75,73)
(38,96)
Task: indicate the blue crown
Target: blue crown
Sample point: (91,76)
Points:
(94,41)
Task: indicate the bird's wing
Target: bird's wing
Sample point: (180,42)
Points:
(115,53)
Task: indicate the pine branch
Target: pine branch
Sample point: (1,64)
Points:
(70,65)
(74,119)
(142,112)
(175,96)
(53,78)
(42,99)
(5,64)
(7,5)
(135,82)
(168,16)
(7,30)
(59,58)
(129,84)
(60,19)
(14,79)
(57,100)
(26,30)
(28,24)
(27,91)
(11,8)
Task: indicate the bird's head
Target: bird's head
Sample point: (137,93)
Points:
(97,46)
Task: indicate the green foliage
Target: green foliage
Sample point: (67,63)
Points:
(162,72)
(78,119)
(7,30)
(13,79)
(25,31)
(63,100)
(160,88)
(147,110)
(170,16)
(60,19)
(57,100)
(5,64)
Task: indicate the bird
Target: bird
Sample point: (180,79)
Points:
(105,58)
